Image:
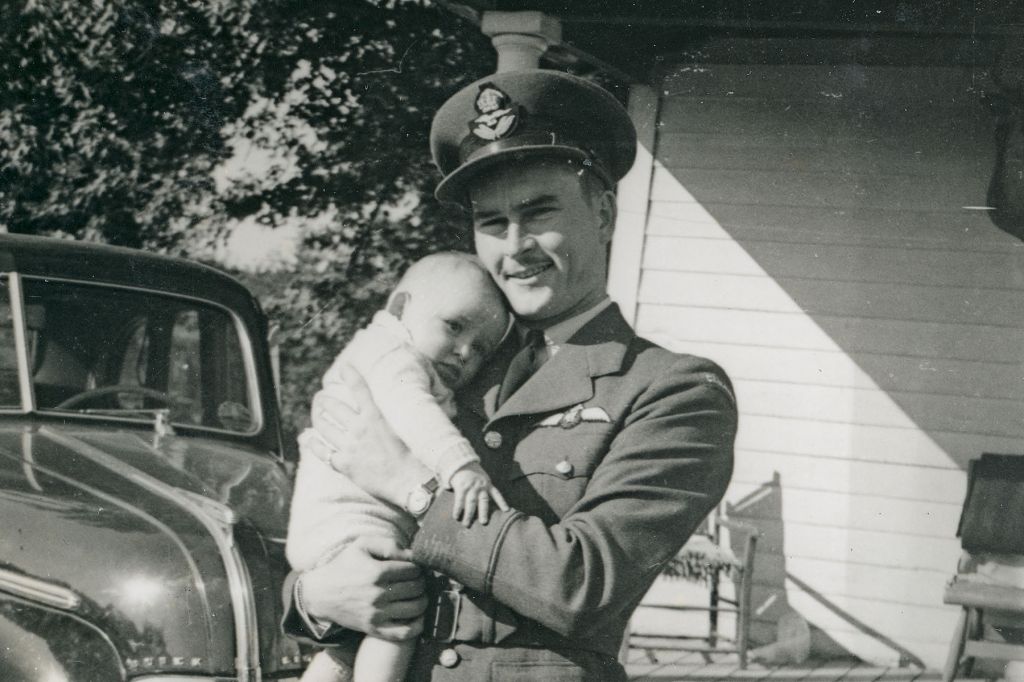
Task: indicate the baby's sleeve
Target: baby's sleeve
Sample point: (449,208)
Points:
(401,388)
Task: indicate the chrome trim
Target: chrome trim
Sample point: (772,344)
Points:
(28,460)
(214,516)
(218,511)
(20,336)
(244,341)
(37,590)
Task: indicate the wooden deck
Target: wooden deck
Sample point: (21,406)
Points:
(695,666)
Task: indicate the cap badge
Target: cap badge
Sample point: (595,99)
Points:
(498,115)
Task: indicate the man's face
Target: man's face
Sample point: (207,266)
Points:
(542,240)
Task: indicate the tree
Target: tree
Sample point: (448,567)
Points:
(189,126)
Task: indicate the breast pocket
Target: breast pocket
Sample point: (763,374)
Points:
(552,467)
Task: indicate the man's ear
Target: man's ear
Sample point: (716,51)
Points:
(606,211)
(397,302)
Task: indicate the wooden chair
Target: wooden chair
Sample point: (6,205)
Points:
(708,557)
(989,584)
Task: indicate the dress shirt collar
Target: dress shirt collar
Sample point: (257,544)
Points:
(556,335)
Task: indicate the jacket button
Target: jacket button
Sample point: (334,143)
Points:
(493,440)
(564,468)
(449,658)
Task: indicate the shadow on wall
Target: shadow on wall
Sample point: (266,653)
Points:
(777,625)
(841,213)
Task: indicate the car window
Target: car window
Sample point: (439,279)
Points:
(9,392)
(121,352)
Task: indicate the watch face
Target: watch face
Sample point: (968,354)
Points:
(419,501)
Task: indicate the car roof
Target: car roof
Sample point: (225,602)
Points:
(104,264)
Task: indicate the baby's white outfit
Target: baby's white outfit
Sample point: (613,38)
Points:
(328,509)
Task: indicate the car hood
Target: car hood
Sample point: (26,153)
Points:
(137,527)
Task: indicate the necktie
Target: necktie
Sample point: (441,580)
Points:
(522,366)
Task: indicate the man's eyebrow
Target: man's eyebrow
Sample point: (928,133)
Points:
(538,200)
(532,202)
(485,215)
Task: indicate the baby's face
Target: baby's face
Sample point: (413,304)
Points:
(456,326)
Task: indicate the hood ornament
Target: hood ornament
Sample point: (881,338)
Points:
(162,426)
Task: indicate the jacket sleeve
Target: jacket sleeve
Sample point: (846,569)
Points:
(668,466)
(296,623)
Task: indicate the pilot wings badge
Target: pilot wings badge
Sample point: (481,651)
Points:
(498,115)
(575,415)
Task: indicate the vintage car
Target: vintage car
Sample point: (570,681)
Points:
(143,487)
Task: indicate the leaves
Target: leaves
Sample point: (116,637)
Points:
(294,129)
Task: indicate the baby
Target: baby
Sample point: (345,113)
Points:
(441,322)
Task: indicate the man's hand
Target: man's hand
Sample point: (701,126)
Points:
(365,448)
(370,586)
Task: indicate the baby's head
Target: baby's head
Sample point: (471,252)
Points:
(453,311)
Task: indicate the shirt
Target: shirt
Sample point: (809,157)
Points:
(558,334)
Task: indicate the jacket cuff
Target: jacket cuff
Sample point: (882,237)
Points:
(466,554)
(303,627)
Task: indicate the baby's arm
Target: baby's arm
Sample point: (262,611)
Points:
(401,389)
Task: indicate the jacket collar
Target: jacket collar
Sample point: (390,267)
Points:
(597,349)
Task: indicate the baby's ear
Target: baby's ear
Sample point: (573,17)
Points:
(396,304)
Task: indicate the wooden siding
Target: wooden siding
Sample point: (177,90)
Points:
(821,233)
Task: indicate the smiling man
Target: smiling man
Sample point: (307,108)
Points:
(609,449)
(543,234)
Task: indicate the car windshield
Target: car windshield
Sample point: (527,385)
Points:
(107,351)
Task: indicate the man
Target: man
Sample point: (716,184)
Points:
(609,449)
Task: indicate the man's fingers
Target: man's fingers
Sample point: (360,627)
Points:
(392,572)
(499,499)
(395,563)
(399,620)
(405,609)
(318,446)
(356,384)
(380,547)
(331,411)
(397,632)
(406,589)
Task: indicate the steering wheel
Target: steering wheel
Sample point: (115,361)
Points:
(94,393)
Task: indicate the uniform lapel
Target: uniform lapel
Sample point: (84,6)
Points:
(567,379)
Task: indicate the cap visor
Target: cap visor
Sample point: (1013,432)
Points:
(452,189)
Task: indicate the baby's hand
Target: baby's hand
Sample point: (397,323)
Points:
(473,494)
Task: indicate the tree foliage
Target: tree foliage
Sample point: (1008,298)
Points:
(201,127)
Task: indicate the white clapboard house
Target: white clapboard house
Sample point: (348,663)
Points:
(810,208)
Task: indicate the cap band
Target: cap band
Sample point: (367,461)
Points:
(531,142)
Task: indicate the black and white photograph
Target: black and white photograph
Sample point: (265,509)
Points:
(511,340)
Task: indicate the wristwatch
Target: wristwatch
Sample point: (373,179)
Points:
(420,498)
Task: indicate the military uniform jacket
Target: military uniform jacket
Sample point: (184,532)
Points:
(610,456)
